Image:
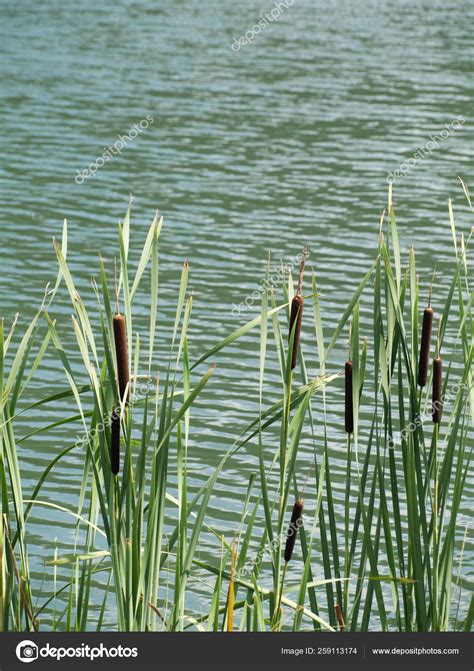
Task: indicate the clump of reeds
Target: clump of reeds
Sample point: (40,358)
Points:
(418,557)
(296,313)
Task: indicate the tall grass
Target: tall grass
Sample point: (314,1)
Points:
(389,565)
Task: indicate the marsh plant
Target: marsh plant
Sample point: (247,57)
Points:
(383,555)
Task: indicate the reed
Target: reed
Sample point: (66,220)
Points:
(121,353)
(121,349)
(123,380)
(340,617)
(425,346)
(293,527)
(437,389)
(139,549)
(296,313)
(291,534)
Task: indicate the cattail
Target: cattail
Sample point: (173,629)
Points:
(340,617)
(121,351)
(120,337)
(123,375)
(293,529)
(115,442)
(424,361)
(349,414)
(296,313)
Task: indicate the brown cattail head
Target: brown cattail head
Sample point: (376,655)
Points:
(296,312)
(349,414)
(293,529)
(296,315)
(437,389)
(115,442)
(339,617)
(424,362)
(123,371)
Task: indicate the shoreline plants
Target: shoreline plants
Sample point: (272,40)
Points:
(382,555)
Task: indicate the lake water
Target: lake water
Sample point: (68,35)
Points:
(286,139)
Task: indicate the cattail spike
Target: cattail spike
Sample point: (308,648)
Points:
(424,360)
(293,529)
(340,617)
(296,316)
(349,407)
(121,351)
(296,312)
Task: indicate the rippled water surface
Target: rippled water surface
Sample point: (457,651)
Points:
(288,139)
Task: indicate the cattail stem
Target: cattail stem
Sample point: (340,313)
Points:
(424,360)
(349,409)
(117,310)
(436,533)
(300,274)
(121,351)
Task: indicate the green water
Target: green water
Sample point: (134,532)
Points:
(286,140)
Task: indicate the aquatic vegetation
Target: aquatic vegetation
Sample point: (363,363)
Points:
(393,564)
(296,314)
